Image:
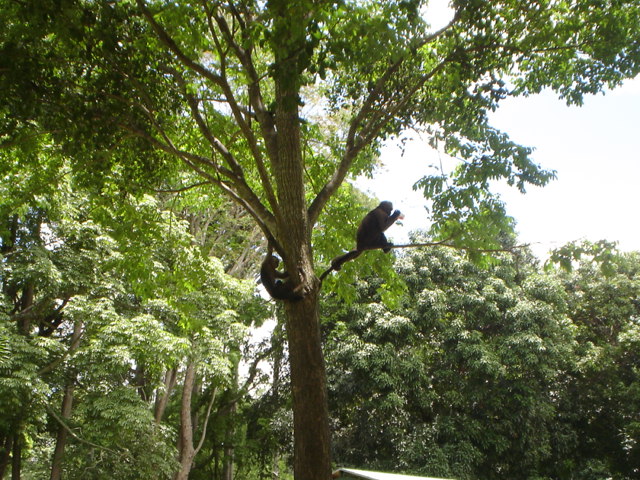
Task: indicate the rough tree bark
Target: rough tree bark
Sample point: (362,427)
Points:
(170,379)
(309,390)
(61,438)
(185,441)
(308,375)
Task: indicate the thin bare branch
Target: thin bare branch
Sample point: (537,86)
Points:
(170,43)
(458,247)
(264,219)
(253,372)
(444,243)
(183,189)
(211,138)
(355,140)
(264,118)
(206,422)
(235,188)
(371,130)
(238,189)
(75,341)
(73,434)
(237,110)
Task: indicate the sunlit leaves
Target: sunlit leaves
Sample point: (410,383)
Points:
(602,253)
(124,440)
(466,347)
(481,353)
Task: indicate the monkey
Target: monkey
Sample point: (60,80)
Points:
(370,234)
(275,282)
(371,230)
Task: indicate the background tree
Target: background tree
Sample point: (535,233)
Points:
(600,410)
(458,380)
(107,302)
(220,87)
(489,372)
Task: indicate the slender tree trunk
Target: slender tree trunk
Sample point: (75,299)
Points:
(16,459)
(161,403)
(67,404)
(229,453)
(61,440)
(186,450)
(24,328)
(5,454)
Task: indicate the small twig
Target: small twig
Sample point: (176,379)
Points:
(183,189)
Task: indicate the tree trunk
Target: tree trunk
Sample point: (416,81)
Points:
(186,450)
(311,454)
(309,390)
(61,440)
(228,456)
(162,400)
(230,429)
(16,459)
(5,454)
(67,404)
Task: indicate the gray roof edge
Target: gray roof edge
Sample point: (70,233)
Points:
(368,475)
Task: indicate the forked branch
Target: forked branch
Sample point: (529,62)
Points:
(170,43)
(362,132)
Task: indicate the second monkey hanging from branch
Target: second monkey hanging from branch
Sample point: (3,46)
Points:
(278,284)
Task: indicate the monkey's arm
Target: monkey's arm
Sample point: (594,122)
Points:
(387,220)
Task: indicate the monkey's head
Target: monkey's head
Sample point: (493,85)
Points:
(274,261)
(386,206)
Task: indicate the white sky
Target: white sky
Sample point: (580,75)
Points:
(593,149)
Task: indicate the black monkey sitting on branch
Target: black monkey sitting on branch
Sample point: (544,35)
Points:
(370,234)
(371,230)
(275,282)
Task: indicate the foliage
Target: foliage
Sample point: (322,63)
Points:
(146,299)
(602,400)
(487,373)
(154,75)
(137,96)
(602,253)
(125,441)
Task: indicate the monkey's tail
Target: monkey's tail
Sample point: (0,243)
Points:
(336,263)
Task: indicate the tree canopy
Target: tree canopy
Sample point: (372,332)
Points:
(275,104)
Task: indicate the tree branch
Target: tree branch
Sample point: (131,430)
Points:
(206,132)
(236,109)
(183,189)
(265,120)
(354,145)
(173,46)
(238,191)
(51,412)
(206,422)
(75,341)
(433,244)
(456,247)
(371,130)
(261,215)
